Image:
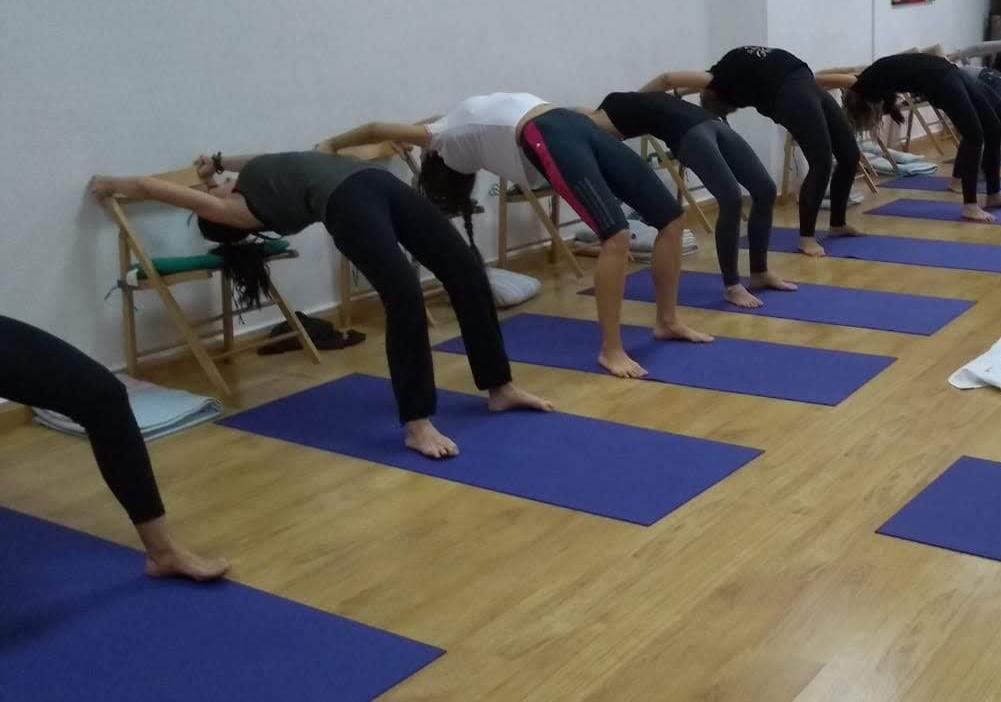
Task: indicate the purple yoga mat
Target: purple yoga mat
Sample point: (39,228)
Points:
(922,209)
(611,470)
(929,183)
(778,371)
(958,511)
(80,621)
(899,249)
(826,304)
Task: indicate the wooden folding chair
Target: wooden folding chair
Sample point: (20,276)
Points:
(914,107)
(509,194)
(345,275)
(129,246)
(866,172)
(669,162)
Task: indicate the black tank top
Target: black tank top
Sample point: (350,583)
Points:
(903,73)
(289,191)
(664,116)
(751,76)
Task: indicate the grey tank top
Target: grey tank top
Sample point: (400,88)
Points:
(289,191)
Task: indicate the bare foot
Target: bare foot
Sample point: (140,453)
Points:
(676,330)
(993,201)
(844,230)
(508,397)
(770,280)
(423,438)
(738,295)
(972,212)
(618,363)
(809,246)
(956,185)
(179,562)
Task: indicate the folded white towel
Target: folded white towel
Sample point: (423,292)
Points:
(981,372)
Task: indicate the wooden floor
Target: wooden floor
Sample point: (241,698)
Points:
(771,586)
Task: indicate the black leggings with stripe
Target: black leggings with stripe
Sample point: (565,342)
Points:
(593,171)
(41,370)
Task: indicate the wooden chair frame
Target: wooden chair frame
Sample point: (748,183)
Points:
(866,172)
(669,162)
(131,250)
(914,112)
(508,194)
(383,150)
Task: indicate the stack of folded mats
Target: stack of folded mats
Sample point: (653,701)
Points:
(159,411)
(906,164)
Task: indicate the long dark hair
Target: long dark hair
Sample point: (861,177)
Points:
(865,114)
(450,190)
(243,261)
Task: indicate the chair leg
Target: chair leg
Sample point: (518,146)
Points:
(128,308)
(207,365)
(786,170)
(227,316)
(866,170)
(927,129)
(293,321)
(554,217)
(502,224)
(344,286)
(554,235)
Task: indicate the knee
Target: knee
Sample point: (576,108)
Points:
(821,163)
(729,200)
(765,193)
(101,398)
(850,154)
(404,296)
(617,245)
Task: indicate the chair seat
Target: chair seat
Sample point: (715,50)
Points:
(515,191)
(202,265)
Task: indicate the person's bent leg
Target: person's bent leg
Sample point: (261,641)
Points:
(847,154)
(360,221)
(700,151)
(751,173)
(41,370)
(430,237)
(988,107)
(954,99)
(559,144)
(630,178)
(798,109)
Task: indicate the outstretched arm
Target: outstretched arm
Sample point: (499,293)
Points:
(375,133)
(829,81)
(149,188)
(678,79)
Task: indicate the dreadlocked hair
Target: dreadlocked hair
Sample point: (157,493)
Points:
(450,190)
(243,262)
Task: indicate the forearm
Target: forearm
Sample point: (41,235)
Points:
(236,163)
(660,84)
(360,136)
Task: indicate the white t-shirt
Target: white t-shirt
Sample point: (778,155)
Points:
(480,133)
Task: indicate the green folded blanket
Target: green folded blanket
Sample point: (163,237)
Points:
(171,265)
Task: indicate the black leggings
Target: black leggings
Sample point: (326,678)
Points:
(971,107)
(369,216)
(39,370)
(723,161)
(817,123)
(592,171)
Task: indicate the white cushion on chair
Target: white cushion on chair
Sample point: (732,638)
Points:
(511,288)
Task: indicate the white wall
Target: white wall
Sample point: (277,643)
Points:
(136,86)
